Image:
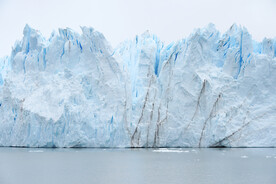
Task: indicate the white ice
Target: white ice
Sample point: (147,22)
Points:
(74,90)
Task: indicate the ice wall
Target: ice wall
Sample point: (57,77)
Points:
(74,90)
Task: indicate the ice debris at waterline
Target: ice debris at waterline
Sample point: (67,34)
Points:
(74,90)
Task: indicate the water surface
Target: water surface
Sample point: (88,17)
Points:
(137,166)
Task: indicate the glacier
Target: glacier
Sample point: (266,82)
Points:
(74,90)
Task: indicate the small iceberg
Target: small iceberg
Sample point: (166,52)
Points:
(36,151)
(170,151)
(244,156)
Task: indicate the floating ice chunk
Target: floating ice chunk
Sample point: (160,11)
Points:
(36,151)
(169,151)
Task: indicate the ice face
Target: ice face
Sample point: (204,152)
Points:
(74,90)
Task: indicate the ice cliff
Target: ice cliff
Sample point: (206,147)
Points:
(74,90)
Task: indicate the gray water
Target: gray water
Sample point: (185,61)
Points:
(137,166)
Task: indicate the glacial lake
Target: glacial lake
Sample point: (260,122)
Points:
(138,166)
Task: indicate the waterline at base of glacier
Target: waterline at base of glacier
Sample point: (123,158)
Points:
(136,166)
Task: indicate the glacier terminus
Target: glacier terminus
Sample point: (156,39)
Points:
(74,90)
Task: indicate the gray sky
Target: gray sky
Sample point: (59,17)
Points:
(119,20)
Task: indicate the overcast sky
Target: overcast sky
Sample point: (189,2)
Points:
(119,20)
